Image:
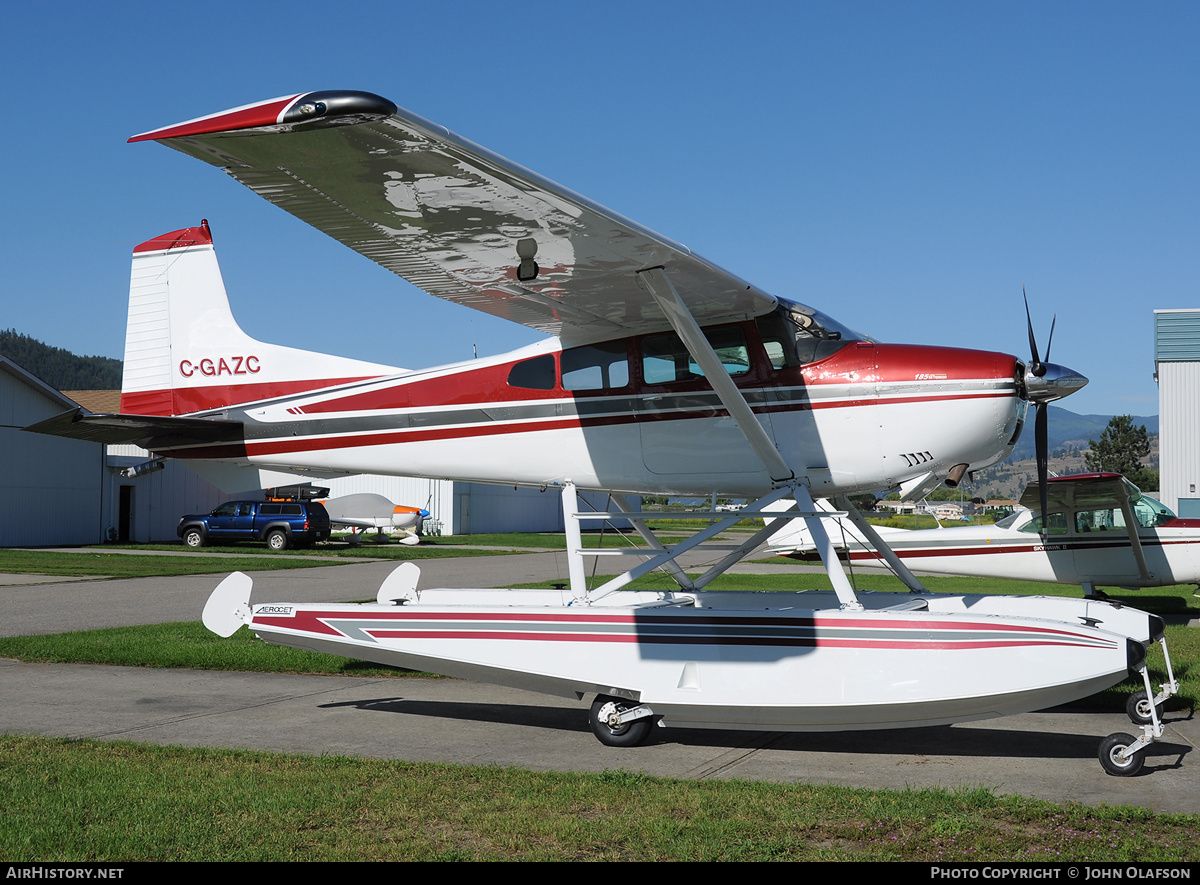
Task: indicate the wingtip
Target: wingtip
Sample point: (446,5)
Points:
(304,110)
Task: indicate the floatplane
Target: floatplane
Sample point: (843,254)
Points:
(662,374)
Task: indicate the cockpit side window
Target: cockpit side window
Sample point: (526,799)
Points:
(665,359)
(1099,520)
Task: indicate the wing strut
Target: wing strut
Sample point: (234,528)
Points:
(663,291)
(881,547)
(660,287)
(1131,524)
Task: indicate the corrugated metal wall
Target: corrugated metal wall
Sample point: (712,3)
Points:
(1177,365)
(1179,434)
(50,488)
(1176,335)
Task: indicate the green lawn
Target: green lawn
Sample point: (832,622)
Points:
(130,565)
(118,802)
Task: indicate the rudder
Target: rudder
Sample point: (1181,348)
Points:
(184,351)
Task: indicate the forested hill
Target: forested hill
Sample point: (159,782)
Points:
(1066,430)
(60,368)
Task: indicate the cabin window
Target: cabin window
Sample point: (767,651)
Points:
(1056,525)
(1099,520)
(775,353)
(535,374)
(777,340)
(595,367)
(665,359)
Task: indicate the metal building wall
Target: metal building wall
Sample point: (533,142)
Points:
(1177,362)
(1179,436)
(159,498)
(50,487)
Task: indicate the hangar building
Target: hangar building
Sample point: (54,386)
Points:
(1177,370)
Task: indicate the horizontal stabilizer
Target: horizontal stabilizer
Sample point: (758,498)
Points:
(147,431)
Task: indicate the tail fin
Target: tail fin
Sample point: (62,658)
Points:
(185,353)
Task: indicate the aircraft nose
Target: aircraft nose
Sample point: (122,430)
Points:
(1053,383)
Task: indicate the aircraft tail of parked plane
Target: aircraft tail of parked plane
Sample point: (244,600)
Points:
(186,354)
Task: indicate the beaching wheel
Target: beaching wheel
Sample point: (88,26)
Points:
(1114,758)
(1138,707)
(628,734)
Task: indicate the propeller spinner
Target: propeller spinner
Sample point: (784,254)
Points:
(1045,382)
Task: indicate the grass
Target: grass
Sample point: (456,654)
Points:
(179,561)
(125,565)
(117,802)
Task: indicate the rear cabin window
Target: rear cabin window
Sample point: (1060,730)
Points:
(595,367)
(535,374)
(665,359)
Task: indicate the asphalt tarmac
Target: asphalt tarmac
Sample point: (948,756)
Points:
(1049,755)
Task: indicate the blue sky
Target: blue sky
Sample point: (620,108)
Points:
(902,167)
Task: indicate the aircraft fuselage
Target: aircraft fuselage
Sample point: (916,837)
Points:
(635,414)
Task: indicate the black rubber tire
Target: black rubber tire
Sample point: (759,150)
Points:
(193,537)
(277,539)
(1138,708)
(629,735)
(1111,747)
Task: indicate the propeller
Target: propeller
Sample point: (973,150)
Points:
(1045,382)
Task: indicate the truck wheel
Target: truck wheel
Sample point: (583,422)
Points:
(193,538)
(277,540)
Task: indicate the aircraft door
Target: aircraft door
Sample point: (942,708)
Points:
(684,429)
(1101,547)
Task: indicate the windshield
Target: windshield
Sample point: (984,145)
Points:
(1008,521)
(1150,512)
(795,334)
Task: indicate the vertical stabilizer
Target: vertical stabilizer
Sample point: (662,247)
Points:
(185,353)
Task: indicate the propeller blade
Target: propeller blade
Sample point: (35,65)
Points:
(1041,440)
(1050,340)
(1033,351)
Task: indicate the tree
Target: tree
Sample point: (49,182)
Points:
(1120,449)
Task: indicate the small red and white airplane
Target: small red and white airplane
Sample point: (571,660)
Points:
(1102,531)
(663,374)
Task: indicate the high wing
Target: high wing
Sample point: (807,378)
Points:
(1096,490)
(455,219)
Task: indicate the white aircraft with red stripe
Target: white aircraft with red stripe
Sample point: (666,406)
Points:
(1102,531)
(663,374)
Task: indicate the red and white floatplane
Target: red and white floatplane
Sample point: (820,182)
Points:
(663,374)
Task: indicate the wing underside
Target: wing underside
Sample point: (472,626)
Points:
(455,219)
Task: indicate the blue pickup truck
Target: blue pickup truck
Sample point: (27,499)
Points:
(281,524)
